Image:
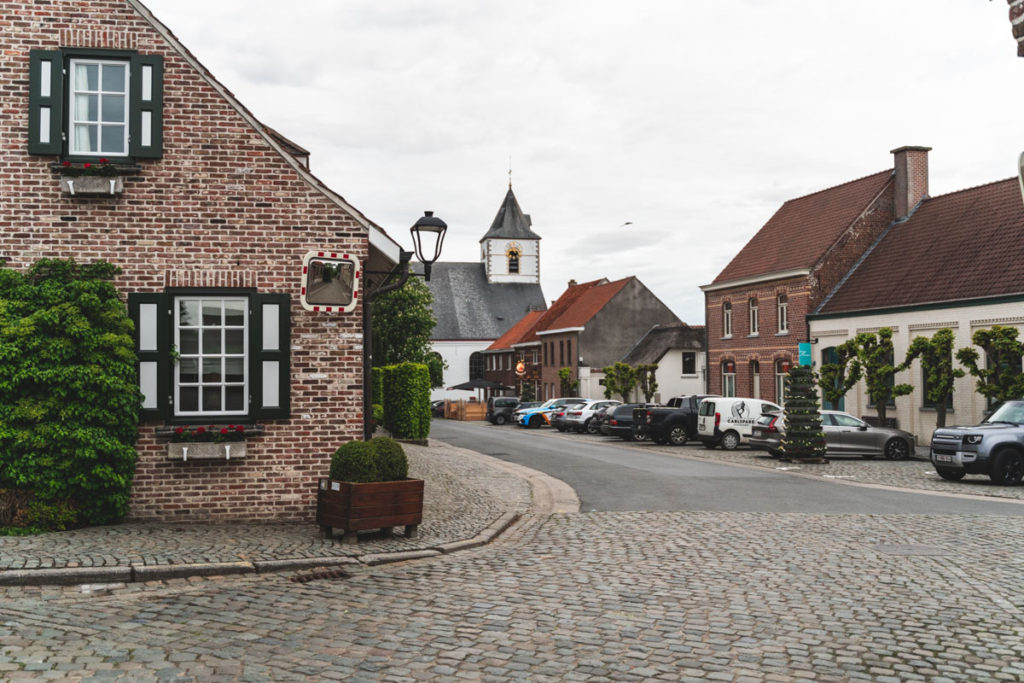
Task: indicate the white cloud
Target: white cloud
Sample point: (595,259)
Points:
(695,121)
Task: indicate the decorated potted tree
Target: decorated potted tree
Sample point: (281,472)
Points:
(369,488)
(804,440)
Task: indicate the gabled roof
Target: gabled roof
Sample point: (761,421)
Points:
(510,222)
(662,338)
(466,306)
(803,229)
(576,306)
(518,333)
(963,245)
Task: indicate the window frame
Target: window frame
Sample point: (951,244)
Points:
(752,314)
(726,319)
(693,357)
(782,311)
(728,378)
(267,352)
(201,355)
(51,104)
(100,93)
(781,368)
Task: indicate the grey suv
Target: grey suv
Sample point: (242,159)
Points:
(995,447)
(500,409)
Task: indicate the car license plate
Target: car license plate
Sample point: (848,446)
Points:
(943,458)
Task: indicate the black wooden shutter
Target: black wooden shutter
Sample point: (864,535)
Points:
(45,102)
(269,353)
(150,313)
(146,120)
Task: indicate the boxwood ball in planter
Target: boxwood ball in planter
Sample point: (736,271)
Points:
(369,488)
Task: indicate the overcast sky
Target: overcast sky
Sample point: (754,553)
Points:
(691,120)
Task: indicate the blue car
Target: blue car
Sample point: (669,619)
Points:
(539,416)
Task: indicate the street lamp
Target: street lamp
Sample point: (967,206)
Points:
(435,229)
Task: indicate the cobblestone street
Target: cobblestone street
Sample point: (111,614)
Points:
(609,596)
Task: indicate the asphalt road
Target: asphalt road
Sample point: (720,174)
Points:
(612,475)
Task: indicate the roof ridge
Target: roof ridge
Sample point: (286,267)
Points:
(835,187)
(975,187)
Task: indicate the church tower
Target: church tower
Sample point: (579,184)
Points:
(510,251)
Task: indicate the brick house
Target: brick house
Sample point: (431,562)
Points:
(954,263)
(756,308)
(590,326)
(209,216)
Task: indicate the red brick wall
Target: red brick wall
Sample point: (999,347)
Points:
(1017,22)
(220,203)
(559,357)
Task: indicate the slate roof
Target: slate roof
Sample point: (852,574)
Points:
(466,306)
(803,229)
(510,222)
(963,245)
(662,338)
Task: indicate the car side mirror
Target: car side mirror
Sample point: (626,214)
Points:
(863,428)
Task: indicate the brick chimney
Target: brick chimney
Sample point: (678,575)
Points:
(911,165)
(573,283)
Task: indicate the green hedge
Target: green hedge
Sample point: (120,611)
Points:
(407,400)
(379,459)
(376,386)
(69,398)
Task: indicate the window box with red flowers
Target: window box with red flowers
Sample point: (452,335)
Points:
(213,442)
(92,178)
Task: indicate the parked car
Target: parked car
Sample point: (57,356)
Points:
(580,418)
(844,435)
(620,422)
(995,447)
(599,419)
(674,423)
(728,420)
(437,408)
(500,409)
(539,416)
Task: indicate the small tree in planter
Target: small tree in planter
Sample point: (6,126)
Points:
(804,438)
(369,488)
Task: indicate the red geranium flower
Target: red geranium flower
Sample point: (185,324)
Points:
(103,160)
(87,165)
(179,430)
(240,429)
(200,430)
(66,164)
(224,431)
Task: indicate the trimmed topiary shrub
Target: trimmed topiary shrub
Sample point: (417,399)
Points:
(355,461)
(407,400)
(69,397)
(391,459)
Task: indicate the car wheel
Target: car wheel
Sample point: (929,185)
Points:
(678,436)
(499,420)
(1007,468)
(560,428)
(730,440)
(951,473)
(536,421)
(589,427)
(897,449)
(638,435)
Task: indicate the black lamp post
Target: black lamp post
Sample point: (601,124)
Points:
(427,232)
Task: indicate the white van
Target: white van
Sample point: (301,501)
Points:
(727,421)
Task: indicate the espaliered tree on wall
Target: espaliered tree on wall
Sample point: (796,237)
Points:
(999,373)
(868,355)
(567,384)
(936,354)
(69,397)
(619,380)
(646,376)
(804,438)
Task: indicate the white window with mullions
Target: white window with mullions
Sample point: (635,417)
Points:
(211,336)
(99,107)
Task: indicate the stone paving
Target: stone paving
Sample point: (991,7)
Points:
(463,495)
(586,597)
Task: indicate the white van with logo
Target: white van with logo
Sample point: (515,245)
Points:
(728,421)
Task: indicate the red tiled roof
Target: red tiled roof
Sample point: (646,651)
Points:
(579,303)
(518,332)
(964,245)
(803,229)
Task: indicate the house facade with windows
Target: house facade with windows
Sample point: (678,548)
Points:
(954,263)
(121,146)
(475,303)
(590,326)
(756,309)
(678,351)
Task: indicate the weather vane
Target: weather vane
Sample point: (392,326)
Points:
(510,171)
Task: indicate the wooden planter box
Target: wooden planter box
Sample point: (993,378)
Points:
(379,505)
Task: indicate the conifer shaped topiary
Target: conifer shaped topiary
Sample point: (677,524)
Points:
(804,437)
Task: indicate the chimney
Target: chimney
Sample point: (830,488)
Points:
(911,166)
(573,283)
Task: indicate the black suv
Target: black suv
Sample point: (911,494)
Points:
(500,409)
